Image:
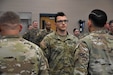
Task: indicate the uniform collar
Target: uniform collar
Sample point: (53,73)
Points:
(57,36)
(100,31)
(10,36)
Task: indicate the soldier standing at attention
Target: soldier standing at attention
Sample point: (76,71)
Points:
(94,53)
(59,47)
(17,55)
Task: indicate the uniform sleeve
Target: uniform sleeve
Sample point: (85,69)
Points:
(81,59)
(45,46)
(44,67)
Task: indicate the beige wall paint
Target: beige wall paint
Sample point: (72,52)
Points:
(74,9)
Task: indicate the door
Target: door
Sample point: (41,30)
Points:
(47,18)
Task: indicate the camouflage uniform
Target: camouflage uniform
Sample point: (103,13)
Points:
(110,33)
(31,34)
(60,53)
(41,35)
(94,54)
(83,35)
(20,57)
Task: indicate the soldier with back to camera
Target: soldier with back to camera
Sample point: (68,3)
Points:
(17,55)
(94,53)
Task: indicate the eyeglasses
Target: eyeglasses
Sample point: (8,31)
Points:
(61,21)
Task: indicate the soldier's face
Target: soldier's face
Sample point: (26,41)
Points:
(61,23)
(35,24)
(48,26)
(76,32)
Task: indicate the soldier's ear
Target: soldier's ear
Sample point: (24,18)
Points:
(89,23)
(20,27)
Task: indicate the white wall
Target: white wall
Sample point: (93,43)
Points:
(74,9)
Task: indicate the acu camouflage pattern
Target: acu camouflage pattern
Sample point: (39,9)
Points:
(94,54)
(31,34)
(83,35)
(39,37)
(20,57)
(60,53)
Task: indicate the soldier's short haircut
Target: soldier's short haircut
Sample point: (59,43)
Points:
(34,21)
(9,17)
(59,14)
(110,22)
(98,17)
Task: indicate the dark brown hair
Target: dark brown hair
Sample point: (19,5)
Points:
(98,17)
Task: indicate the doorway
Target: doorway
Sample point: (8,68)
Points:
(44,17)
